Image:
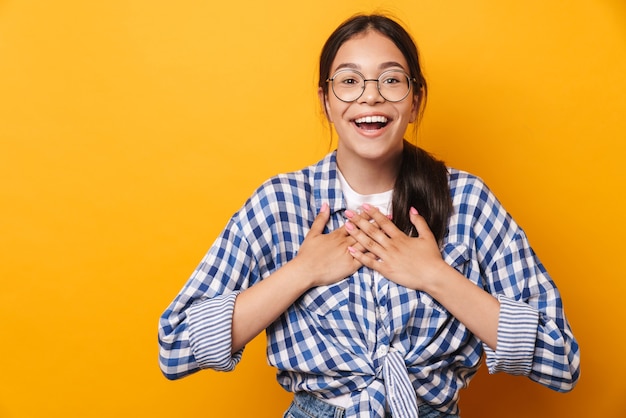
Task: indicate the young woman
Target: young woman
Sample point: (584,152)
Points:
(380,276)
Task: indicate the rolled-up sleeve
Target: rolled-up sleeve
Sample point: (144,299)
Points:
(534,336)
(195,331)
(517,334)
(210,333)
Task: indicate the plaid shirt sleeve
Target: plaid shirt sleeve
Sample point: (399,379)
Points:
(534,337)
(195,330)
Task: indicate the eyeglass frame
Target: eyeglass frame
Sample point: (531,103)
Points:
(412,81)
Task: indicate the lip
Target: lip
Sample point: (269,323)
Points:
(374,132)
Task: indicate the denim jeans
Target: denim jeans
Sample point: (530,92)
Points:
(305,405)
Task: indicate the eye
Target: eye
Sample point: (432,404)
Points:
(392,78)
(347,79)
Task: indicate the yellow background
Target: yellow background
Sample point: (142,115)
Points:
(131,130)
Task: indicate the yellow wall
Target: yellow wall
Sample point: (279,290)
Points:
(131,130)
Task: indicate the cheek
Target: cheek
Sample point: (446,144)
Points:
(335,110)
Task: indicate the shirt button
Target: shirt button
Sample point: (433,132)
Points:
(382,350)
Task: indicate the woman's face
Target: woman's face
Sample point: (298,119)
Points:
(370,53)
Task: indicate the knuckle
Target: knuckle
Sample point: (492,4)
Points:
(369,243)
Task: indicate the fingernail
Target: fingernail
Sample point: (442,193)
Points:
(351,250)
(366,207)
(324,207)
(349,213)
(349,226)
(414,211)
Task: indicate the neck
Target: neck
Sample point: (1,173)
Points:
(370,176)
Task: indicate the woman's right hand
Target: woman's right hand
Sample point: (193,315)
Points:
(324,258)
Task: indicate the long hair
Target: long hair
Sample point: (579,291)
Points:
(422,180)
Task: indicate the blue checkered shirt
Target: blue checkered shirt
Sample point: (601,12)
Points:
(356,336)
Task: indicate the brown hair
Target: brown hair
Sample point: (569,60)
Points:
(422,180)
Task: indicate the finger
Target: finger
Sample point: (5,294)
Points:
(369,237)
(369,227)
(344,239)
(360,218)
(382,221)
(364,231)
(317,227)
(366,258)
(423,230)
(358,246)
(367,217)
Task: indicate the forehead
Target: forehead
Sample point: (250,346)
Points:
(369,51)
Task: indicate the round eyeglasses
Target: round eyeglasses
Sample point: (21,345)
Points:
(393,85)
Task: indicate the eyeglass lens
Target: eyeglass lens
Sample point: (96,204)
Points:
(349,85)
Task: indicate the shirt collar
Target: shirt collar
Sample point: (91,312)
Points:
(326,185)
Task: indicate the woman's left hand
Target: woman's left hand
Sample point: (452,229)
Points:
(413,262)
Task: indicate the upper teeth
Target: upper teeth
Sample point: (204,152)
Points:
(372,119)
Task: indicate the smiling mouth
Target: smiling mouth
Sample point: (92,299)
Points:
(371,123)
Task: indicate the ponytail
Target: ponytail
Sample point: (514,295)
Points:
(422,183)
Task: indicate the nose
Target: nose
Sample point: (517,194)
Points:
(371,95)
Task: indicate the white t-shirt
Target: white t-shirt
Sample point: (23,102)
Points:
(354,200)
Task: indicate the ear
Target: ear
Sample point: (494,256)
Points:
(415,108)
(324,102)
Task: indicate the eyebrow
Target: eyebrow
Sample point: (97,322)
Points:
(383,66)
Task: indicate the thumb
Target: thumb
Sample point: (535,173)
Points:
(420,223)
(321,219)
